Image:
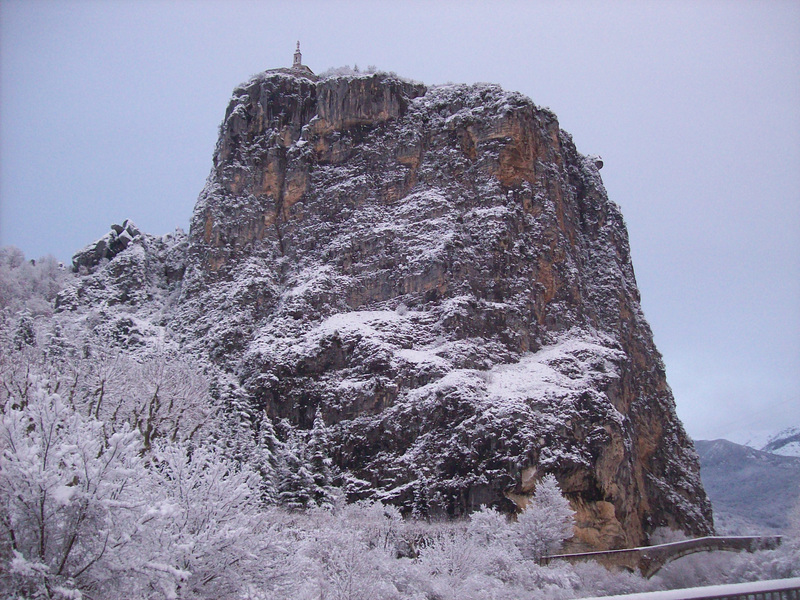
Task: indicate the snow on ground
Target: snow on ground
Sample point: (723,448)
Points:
(792,449)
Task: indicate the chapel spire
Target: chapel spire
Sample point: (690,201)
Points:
(298,58)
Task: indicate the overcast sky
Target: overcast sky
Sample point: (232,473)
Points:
(110,110)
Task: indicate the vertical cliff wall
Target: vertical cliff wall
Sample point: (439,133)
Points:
(442,274)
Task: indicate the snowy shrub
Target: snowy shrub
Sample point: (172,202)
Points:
(345,552)
(346,567)
(347,71)
(499,556)
(67,492)
(449,552)
(546,521)
(592,579)
(203,534)
(449,558)
(27,285)
(81,509)
(666,535)
(488,527)
(381,525)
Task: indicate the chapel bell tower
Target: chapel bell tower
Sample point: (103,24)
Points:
(298,58)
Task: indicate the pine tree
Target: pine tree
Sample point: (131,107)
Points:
(25,334)
(235,432)
(319,464)
(296,485)
(57,343)
(266,460)
(421,500)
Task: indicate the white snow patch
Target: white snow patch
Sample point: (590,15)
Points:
(309,278)
(790,449)
(63,494)
(366,322)
(422,357)
(570,364)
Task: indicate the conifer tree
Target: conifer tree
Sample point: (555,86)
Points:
(235,433)
(421,500)
(25,334)
(57,343)
(266,459)
(296,485)
(319,464)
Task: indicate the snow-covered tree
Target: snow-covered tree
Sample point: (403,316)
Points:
(28,285)
(421,499)
(265,459)
(65,492)
(546,521)
(236,429)
(349,558)
(449,558)
(168,399)
(58,345)
(319,464)
(488,527)
(25,334)
(205,536)
(296,485)
(82,510)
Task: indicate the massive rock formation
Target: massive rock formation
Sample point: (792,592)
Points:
(441,273)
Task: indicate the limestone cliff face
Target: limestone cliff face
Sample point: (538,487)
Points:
(441,272)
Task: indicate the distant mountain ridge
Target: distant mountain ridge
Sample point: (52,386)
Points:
(751,491)
(785,442)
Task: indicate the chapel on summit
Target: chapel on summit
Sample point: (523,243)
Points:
(297,63)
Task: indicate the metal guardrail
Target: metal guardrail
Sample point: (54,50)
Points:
(773,589)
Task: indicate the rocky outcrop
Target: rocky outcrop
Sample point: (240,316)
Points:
(441,273)
(107,247)
(127,268)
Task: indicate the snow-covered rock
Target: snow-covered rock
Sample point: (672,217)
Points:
(436,272)
(441,274)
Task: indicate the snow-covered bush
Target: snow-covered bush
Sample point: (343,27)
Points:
(203,534)
(84,508)
(29,285)
(67,493)
(347,71)
(450,558)
(546,521)
(488,527)
(345,567)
